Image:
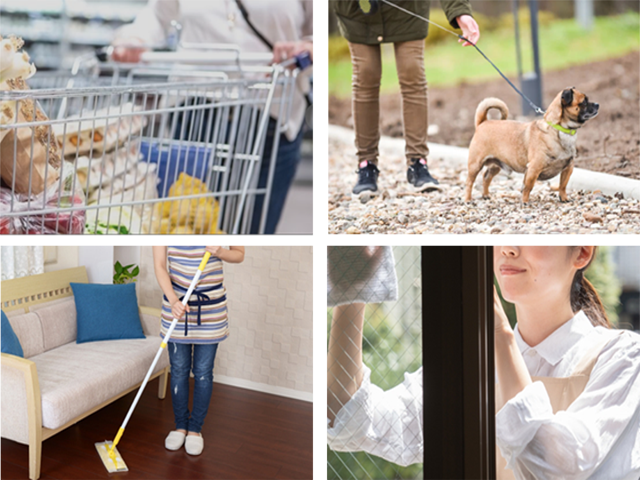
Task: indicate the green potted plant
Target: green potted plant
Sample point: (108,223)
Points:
(125,274)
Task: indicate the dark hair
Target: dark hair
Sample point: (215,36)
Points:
(584,297)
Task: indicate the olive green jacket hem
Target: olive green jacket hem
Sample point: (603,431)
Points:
(389,24)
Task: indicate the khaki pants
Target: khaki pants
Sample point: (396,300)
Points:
(367,71)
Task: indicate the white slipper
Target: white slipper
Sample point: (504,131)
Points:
(194,445)
(174,440)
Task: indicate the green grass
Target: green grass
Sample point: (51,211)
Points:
(563,43)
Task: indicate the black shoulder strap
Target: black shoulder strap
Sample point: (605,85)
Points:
(245,14)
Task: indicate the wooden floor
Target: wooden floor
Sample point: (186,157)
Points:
(247,435)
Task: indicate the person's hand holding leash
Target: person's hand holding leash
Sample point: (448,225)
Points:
(470,30)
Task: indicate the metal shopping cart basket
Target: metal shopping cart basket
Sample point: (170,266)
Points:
(156,147)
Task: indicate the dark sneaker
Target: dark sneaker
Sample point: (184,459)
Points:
(367,178)
(418,174)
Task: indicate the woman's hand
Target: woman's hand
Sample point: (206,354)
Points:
(230,255)
(371,255)
(470,30)
(285,50)
(178,309)
(501,320)
(126,50)
(213,247)
(513,375)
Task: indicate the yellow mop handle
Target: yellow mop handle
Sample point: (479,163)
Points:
(204,261)
(117,439)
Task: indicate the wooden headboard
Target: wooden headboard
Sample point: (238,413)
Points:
(25,292)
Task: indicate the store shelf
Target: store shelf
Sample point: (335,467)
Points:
(47,7)
(57,31)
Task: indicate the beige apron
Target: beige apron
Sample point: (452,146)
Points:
(562,392)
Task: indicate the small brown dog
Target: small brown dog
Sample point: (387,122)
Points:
(540,149)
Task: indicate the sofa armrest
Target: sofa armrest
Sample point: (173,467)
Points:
(150,318)
(21,402)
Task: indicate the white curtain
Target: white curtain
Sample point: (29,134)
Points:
(22,261)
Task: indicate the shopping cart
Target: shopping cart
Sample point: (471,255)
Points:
(174,144)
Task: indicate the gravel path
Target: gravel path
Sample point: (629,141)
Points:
(398,210)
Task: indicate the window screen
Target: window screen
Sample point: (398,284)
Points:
(384,283)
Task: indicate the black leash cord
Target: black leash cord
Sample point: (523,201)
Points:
(533,105)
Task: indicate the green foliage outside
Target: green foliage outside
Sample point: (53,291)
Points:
(392,346)
(389,349)
(601,273)
(563,43)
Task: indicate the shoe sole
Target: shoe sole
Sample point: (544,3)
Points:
(174,449)
(426,188)
(371,193)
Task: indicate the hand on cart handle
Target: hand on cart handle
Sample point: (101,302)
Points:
(127,50)
(302,51)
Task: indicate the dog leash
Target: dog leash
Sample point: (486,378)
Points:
(413,14)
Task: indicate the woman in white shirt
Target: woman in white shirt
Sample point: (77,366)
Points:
(568,387)
(284,27)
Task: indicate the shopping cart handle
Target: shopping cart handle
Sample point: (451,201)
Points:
(303,60)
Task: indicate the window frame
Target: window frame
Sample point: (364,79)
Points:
(458,362)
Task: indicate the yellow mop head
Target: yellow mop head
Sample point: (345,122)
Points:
(111,459)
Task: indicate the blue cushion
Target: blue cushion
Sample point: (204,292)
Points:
(9,340)
(106,312)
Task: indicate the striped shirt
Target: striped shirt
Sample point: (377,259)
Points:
(207,316)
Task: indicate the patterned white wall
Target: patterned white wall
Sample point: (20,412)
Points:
(270,297)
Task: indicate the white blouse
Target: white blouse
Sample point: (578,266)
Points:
(220,21)
(386,424)
(597,437)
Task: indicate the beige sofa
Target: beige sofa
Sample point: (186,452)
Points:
(59,382)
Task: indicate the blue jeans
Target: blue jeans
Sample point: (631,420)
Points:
(181,365)
(287,160)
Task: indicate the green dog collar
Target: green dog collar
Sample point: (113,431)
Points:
(560,128)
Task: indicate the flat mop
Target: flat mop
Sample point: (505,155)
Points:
(107,450)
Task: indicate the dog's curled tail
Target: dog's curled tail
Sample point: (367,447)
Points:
(486,105)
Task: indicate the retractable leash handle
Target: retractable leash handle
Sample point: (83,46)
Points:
(163,345)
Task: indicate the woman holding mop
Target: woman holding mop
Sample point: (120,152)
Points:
(194,342)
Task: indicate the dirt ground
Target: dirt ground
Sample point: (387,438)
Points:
(610,143)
